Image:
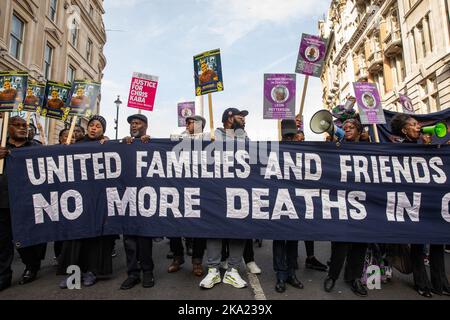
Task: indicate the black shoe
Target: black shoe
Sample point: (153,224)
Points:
(328,284)
(28,276)
(130,282)
(293,281)
(313,263)
(169,255)
(358,288)
(446,292)
(280,287)
(148,280)
(424,292)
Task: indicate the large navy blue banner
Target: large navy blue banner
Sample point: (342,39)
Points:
(385,193)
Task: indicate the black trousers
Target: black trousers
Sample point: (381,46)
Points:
(309,246)
(354,255)
(30,256)
(198,248)
(285,254)
(439,279)
(249,254)
(138,250)
(6,247)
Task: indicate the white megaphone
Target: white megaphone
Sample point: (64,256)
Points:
(322,121)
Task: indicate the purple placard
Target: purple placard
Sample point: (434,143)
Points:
(279,96)
(185,109)
(406,103)
(369,103)
(311,55)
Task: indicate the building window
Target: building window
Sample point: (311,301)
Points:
(71,74)
(423,44)
(447,11)
(52,12)
(74,33)
(430,36)
(16,42)
(429,95)
(48,56)
(91,11)
(413,36)
(89,51)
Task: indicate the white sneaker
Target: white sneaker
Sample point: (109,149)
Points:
(234,278)
(253,267)
(212,278)
(224,265)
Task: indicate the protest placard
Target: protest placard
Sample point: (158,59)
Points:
(208,72)
(406,103)
(311,55)
(185,109)
(279,96)
(84,98)
(57,98)
(13,88)
(369,103)
(34,99)
(142,91)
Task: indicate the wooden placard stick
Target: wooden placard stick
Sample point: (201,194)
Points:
(211,119)
(4,138)
(72,128)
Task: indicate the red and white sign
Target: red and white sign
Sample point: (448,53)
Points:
(142,91)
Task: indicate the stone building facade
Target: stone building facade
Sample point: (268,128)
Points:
(401,45)
(59,40)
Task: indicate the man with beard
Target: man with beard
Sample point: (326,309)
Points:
(233,129)
(138,249)
(31,256)
(8,94)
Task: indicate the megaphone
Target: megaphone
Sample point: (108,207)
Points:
(439,130)
(322,121)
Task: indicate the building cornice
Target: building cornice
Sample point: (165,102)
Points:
(98,31)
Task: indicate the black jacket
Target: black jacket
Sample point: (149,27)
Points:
(4,195)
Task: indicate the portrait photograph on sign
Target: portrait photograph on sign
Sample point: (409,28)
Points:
(13,88)
(185,109)
(84,97)
(311,55)
(369,103)
(208,72)
(34,98)
(57,99)
(279,96)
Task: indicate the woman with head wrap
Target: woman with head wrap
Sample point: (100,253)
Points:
(351,253)
(92,255)
(409,131)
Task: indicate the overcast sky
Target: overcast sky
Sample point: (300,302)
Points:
(160,37)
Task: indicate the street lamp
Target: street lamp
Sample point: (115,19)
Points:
(116,121)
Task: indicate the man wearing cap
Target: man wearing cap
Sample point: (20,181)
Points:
(233,125)
(194,130)
(138,249)
(233,128)
(194,127)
